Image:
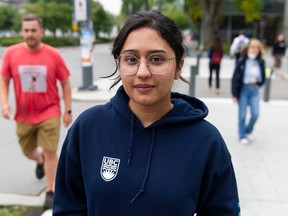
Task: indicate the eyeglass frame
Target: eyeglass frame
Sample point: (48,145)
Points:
(139,62)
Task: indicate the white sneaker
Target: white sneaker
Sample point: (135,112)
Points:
(249,137)
(244,141)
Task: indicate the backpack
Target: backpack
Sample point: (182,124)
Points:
(216,57)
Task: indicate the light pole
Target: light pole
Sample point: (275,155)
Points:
(159,5)
(83,14)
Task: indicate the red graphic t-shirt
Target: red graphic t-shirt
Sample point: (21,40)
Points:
(35,76)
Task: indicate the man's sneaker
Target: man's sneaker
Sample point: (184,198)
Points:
(40,173)
(244,141)
(48,203)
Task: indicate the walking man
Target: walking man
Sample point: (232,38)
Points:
(35,68)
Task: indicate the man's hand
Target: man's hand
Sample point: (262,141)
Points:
(6,111)
(67,119)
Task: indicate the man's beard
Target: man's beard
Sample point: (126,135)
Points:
(32,43)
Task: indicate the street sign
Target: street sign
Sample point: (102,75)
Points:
(75,27)
(80,10)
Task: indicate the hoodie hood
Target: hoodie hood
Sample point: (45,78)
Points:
(185,109)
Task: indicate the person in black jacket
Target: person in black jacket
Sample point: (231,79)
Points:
(278,51)
(248,77)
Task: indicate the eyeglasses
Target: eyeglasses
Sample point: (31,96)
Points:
(157,63)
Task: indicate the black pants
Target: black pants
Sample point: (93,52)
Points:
(277,60)
(215,67)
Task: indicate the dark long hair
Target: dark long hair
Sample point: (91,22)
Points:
(153,19)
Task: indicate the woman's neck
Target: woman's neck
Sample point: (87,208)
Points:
(149,114)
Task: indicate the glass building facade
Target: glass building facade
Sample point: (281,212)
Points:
(271,23)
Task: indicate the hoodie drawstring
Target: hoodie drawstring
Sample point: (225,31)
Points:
(142,189)
(131,141)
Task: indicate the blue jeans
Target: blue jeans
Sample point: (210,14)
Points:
(249,96)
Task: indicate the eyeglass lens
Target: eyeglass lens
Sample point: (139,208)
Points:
(157,63)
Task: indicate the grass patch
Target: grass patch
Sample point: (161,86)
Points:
(20,211)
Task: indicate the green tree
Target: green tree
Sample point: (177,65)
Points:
(54,15)
(102,21)
(8,18)
(209,12)
(168,8)
(251,8)
(180,18)
(133,6)
(46,1)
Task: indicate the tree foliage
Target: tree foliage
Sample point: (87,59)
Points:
(194,10)
(57,1)
(54,15)
(209,12)
(179,17)
(102,21)
(8,18)
(133,6)
(168,8)
(251,8)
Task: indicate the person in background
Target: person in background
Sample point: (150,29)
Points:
(148,151)
(215,54)
(239,43)
(248,77)
(35,68)
(278,51)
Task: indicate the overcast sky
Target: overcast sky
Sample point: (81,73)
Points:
(113,6)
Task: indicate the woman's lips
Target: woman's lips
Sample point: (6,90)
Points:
(144,88)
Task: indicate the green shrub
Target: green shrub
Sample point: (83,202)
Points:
(9,41)
(53,41)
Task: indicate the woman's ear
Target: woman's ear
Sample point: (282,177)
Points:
(179,69)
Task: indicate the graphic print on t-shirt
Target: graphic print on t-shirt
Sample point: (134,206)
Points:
(33,78)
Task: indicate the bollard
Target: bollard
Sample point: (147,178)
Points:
(268,73)
(87,77)
(192,80)
(198,62)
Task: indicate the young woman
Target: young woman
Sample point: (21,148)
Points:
(248,77)
(148,151)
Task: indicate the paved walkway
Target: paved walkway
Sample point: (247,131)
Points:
(260,167)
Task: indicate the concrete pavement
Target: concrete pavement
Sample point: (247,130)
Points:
(260,167)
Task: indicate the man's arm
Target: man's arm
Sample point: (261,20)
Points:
(66,89)
(4,90)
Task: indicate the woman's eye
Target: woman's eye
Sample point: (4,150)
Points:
(156,59)
(131,60)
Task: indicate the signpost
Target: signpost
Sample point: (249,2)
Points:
(82,14)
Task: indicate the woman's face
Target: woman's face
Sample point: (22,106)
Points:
(253,50)
(146,88)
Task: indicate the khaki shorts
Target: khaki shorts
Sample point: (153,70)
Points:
(44,134)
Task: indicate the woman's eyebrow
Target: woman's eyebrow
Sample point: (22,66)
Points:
(148,52)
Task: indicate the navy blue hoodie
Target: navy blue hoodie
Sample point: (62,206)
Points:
(111,165)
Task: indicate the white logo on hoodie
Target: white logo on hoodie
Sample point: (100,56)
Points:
(109,168)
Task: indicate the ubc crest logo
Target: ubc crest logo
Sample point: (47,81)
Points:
(109,168)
